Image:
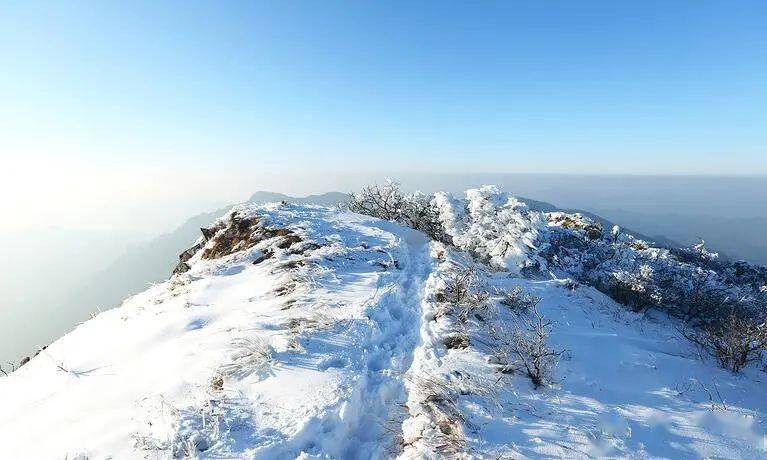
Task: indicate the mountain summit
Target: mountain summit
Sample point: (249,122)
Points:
(487,330)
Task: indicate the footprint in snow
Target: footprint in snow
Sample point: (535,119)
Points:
(195,324)
(335,361)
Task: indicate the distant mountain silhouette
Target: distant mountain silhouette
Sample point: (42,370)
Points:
(325,199)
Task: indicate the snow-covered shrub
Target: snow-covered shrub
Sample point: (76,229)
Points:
(693,284)
(703,300)
(735,341)
(459,285)
(526,348)
(592,230)
(382,201)
(494,227)
(388,202)
(419,213)
(635,289)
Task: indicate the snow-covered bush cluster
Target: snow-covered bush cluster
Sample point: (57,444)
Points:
(517,301)
(494,227)
(463,295)
(692,284)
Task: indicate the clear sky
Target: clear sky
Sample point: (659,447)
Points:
(138,101)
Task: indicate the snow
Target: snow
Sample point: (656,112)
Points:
(334,348)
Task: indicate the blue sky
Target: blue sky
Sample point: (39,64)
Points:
(531,86)
(122,90)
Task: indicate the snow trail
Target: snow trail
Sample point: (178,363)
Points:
(365,420)
(397,318)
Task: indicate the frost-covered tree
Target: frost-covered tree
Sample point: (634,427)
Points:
(382,201)
(494,227)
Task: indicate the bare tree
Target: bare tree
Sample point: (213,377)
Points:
(388,202)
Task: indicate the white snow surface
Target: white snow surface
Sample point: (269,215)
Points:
(336,351)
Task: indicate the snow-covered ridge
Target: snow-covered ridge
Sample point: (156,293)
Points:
(304,332)
(499,230)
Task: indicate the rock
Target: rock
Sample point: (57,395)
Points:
(288,240)
(182,267)
(208,233)
(263,257)
(456,341)
(594,231)
(238,235)
(189,253)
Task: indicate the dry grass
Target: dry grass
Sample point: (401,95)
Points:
(464,296)
(302,325)
(250,356)
(437,398)
(517,300)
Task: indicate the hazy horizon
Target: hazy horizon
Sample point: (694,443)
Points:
(109,108)
(144,216)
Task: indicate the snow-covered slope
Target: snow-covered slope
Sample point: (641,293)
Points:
(304,332)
